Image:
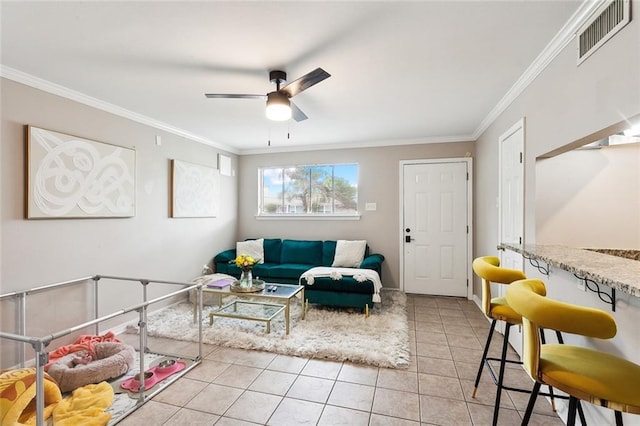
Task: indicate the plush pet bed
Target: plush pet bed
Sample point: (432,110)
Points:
(84,342)
(79,368)
(17,396)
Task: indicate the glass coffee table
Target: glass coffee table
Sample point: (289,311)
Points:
(261,306)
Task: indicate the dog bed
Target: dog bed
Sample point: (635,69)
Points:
(17,396)
(113,360)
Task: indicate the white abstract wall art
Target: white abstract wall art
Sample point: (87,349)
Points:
(194,190)
(72,177)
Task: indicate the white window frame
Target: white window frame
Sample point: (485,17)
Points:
(303,216)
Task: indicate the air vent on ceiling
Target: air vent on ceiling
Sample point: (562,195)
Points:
(610,18)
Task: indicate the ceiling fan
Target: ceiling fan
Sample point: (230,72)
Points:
(279,107)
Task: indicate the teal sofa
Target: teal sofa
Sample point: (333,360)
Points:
(286,260)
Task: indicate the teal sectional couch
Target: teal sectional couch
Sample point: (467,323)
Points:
(286,260)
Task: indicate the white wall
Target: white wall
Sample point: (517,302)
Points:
(563,104)
(149,245)
(378,183)
(590,198)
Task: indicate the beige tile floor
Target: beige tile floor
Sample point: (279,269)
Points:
(242,387)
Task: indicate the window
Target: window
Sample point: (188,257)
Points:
(330,189)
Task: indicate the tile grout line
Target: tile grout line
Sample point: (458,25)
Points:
(434,306)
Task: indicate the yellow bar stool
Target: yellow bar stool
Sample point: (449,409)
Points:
(496,309)
(583,373)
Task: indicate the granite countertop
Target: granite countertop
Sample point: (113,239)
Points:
(620,273)
(627,254)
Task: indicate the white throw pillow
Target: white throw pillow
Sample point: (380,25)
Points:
(349,254)
(253,248)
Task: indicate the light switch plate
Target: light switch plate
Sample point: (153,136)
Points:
(370,207)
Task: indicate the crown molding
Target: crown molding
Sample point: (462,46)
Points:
(566,34)
(67,93)
(56,89)
(358,145)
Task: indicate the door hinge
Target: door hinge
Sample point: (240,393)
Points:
(467,282)
(467,229)
(467,175)
(519,240)
(520,158)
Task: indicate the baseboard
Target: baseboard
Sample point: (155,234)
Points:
(477,301)
(122,328)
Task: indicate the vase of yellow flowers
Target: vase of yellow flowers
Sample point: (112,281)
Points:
(246,264)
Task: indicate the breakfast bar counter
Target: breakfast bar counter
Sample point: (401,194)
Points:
(592,278)
(619,273)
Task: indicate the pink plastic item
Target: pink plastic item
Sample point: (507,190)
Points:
(152,376)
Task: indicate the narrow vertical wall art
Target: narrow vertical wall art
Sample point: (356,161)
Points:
(224,165)
(72,177)
(194,190)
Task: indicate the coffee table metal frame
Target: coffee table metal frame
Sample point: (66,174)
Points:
(282,297)
(230,310)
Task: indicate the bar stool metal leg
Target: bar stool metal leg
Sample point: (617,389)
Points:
(484,358)
(573,405)
(583,420)
(531,404)
(505,345)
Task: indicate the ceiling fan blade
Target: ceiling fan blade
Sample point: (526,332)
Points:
(233,96)
(304,82)
(297,114)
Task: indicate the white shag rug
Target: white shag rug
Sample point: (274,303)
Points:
(337,334)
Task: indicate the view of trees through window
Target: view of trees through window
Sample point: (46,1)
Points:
(321,189)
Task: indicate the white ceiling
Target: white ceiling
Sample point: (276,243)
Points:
(402,72)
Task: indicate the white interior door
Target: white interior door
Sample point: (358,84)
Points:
(435,227)
(511,206)
(512,185)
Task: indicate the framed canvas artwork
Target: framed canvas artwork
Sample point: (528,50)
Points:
(224,165)
(194,190)
(72,177)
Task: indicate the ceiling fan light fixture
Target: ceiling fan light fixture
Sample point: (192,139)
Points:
(278,107)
